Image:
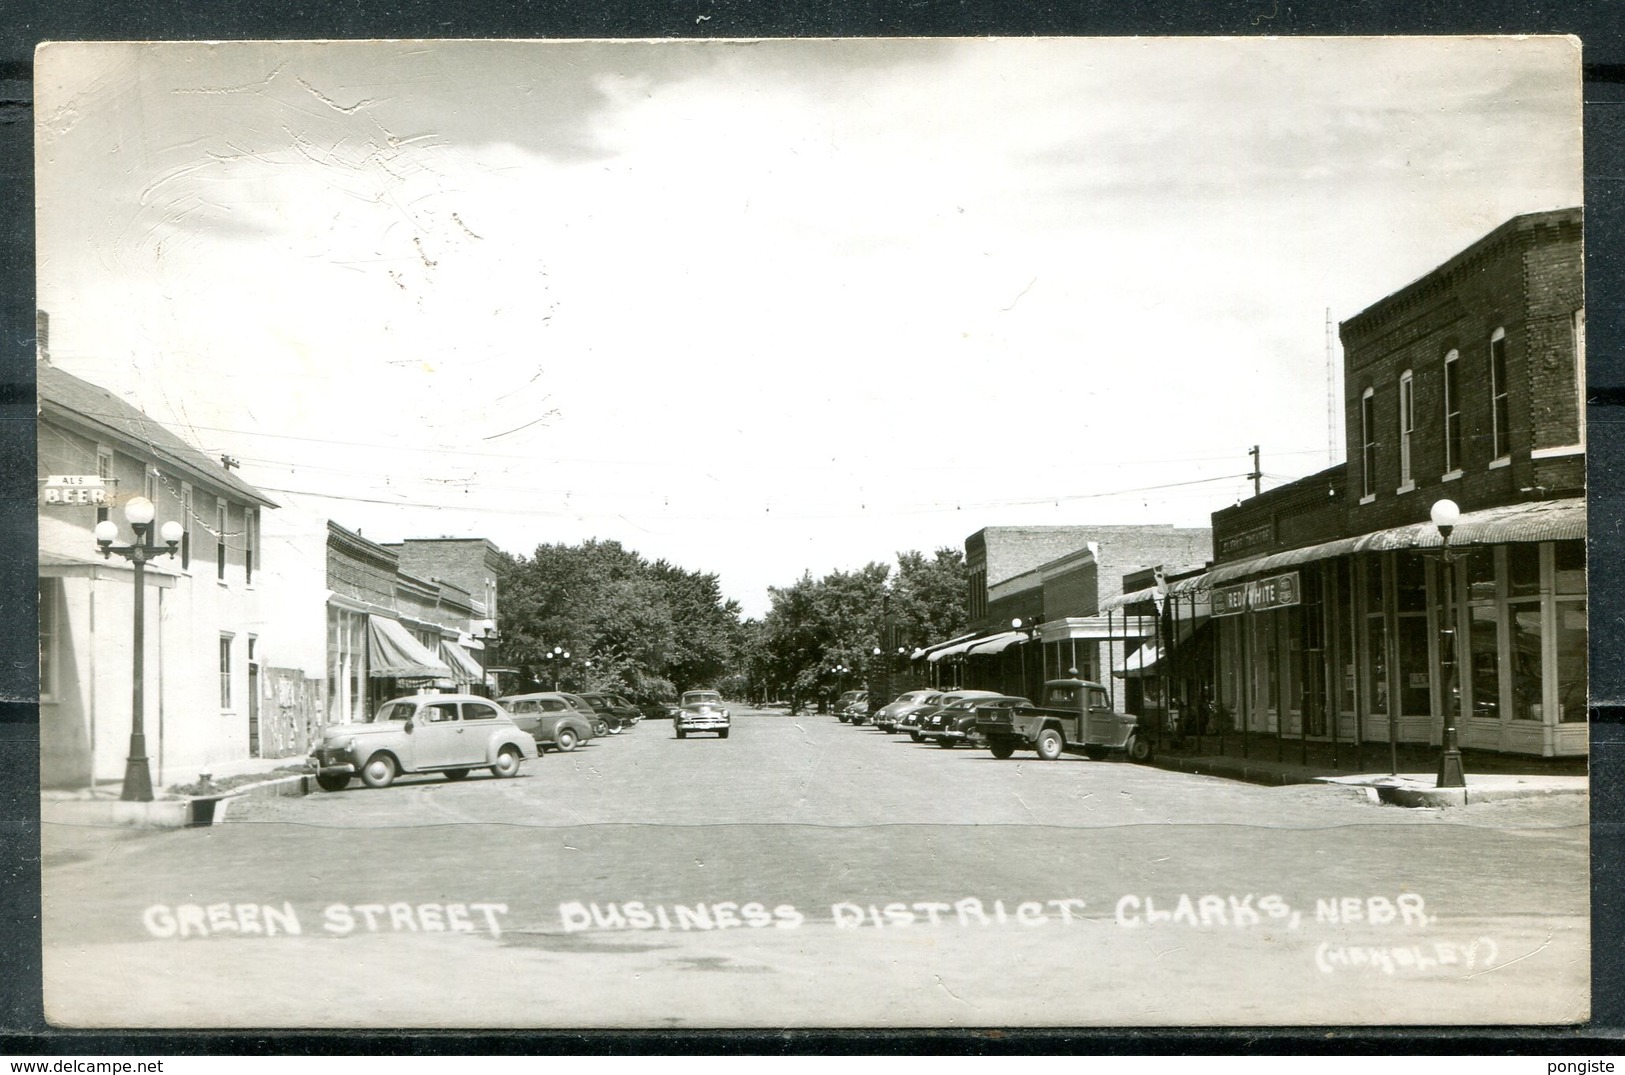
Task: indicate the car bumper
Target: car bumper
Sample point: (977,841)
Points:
(324,764)
(702,724)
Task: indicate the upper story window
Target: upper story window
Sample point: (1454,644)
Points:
(1499,405)
(220,540)
(104,470)
(225,671)
(1452,412)
(1580,372)
(251,543)
(1407,426)
(186,526)
(1368,443)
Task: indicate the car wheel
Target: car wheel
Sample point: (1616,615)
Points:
(1095,753)
(456,774)
(1002,747)
(332,781)
(681,733)
(945,743)
(1139,749)
(379,772)
(616,729)
(507,763)
(600,728)
(891,729)
(564,740)
(723,734)
(1049,744)
(843,718)
(917,737)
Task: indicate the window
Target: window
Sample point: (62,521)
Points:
(48,617)
(186,526)
(440,712)
(1407,426)
(225,671)
(1452,413)
(1579,324)
(220,540)
(1368,441)
(1498,394)
(251,527)
(104,470)
(479,711)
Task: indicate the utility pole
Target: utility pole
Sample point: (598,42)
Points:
(1258,471)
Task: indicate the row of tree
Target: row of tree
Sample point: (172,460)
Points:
(652,630)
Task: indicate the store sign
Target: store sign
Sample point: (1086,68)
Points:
(89,489)
(1277,591)
(1229,600)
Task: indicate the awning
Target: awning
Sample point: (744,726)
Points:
(1096,628)
(464,667)
(997,644)
(926,651)
(952,650)
(1541,520)
(1143,661)
(392,651)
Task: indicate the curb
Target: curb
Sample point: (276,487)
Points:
(1440,797)
(194,812)
(1235,771)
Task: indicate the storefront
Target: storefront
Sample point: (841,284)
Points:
(1353,640)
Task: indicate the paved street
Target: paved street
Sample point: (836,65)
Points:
(807,873)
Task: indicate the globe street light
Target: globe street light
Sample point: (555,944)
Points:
(488,637)
(1444,514)
(139,512)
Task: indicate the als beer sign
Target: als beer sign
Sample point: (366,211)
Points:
(86,489)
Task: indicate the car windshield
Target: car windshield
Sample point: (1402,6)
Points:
(700,697)
(395,711)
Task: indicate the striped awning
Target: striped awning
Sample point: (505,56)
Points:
(1541,520)
(392,651)
(996,644)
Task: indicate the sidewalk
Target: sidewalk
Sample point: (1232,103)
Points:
(185,798)
(1267,760)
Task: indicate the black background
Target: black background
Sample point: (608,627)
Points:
(1600,24)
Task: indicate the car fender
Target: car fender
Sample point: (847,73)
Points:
(525,744)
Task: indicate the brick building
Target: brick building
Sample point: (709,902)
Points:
(1049,579)
(1339,616)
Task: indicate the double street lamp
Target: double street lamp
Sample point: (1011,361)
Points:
(555,659)
(1444,514)
(139,512)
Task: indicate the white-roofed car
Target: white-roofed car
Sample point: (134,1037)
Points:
(452,734)
(702,711)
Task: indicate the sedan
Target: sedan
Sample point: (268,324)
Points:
(452,734)
(958,723)
(916,722)
(905,704)
(702,711)
(617,712)
(550,719)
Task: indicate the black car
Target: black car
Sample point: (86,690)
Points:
(918,722)
(961,728)
(617,712)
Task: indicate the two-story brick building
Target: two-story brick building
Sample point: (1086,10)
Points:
(1339,615)
(202,657)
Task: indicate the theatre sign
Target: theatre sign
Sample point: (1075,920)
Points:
(1259,595)
(87,489)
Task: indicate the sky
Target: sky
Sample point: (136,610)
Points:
(760,308)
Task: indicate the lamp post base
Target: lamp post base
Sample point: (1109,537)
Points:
(137,781)
(1450,771)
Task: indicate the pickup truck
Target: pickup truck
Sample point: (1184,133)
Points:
(1074,716)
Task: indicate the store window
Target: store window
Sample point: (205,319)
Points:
(1499,406)
(1410,592)
(1523,620)
(1452,413)
(1343,603)
(1573,652)
(1376,638)
(49,618)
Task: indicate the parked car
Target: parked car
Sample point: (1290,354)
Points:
(600,726)
(617,712)
(657,710)
(550,719)
(959,720)
(916,722)
(888,716)
(1074,716)
(702,711)
(843,705)
(452,734)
